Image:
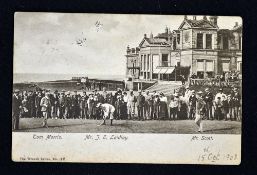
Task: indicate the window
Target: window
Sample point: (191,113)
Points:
(240,44)
(225,66)
(225,42)
(200,65)
(165,60)
(148,75)
(155,62)
(148,62)
(178,38)
(209,66)
(208,41)
(141,62)
(199,42)
(210,69)
(186,36)
(174,44)
(144,62)
(155,76)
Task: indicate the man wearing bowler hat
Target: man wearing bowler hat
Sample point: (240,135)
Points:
(61,102)
(208,98)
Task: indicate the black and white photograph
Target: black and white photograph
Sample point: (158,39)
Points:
(160,75)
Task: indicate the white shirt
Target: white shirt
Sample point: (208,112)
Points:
(107,109)
(163,99)
(125,98)
(220,95)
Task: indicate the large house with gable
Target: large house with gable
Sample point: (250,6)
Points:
(197,47)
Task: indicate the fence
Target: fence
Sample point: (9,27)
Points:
(215,82)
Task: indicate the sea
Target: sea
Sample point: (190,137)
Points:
(39,77)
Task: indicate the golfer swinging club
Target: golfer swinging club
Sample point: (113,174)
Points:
(108,111)
(200,106)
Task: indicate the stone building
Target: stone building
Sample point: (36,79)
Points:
(197,47)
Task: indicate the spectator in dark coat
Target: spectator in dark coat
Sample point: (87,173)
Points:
(208,99)
(140,105)
(37,105)
(16,109)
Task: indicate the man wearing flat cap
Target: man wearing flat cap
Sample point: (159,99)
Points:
(131,105)
(61,102)
(16,108)
(45,104)
(208,98)
(220,94)
(37,104)
(55,104)
(140,105)
(75,105)
(67,105)
(192,105)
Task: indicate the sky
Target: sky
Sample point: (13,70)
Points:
(65,43)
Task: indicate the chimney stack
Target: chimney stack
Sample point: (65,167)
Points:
(128,49)
(166,29)
(185,17)
(194,17)
(169,36)
(214,20)
(236,24)
(204,17)
(151,35)
(145,36)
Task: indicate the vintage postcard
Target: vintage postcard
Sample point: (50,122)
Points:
(127,88)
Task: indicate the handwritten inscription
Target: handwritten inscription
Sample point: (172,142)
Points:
(210,155)
(98,25)
(106,137)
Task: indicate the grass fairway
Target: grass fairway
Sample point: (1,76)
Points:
(128,126)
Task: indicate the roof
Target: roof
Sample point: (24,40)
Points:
(156,41)
(223,31)
(202,23)
(175,31)
(237,28)
(163,35)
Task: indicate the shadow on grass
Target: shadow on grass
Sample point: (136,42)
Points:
(25,129)
(220,129)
